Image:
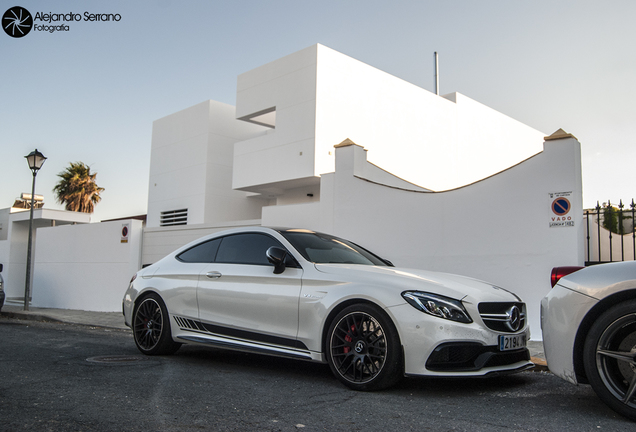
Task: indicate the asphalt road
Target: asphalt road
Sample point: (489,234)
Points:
(60,377)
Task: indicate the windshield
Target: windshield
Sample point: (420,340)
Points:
(324,249)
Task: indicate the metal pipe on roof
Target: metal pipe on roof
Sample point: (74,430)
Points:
(436,74)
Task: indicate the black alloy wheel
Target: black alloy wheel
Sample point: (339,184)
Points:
(151,327)
(610,358)
(363,348)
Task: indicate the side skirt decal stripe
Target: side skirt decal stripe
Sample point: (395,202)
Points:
(189,324)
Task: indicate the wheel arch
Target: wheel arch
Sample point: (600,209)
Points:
(337,309)
(139,298)
(586,324)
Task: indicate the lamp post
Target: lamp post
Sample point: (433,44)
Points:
(35,159)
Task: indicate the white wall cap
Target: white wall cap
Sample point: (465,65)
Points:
(53,215)
(560,134)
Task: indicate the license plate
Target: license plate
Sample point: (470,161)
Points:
(512,342)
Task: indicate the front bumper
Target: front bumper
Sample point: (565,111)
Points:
(439,347)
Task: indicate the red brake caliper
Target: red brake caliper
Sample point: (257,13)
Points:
(349,339)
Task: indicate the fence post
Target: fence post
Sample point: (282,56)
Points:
(633,229)
(609,206)
(587,223)
(598,225)
(620,228)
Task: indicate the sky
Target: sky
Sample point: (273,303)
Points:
(91,93)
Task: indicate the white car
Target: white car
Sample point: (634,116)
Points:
(589,330)
(307,295)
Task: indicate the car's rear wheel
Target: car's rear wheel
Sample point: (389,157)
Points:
(363,348)
(151,327)
(610,358)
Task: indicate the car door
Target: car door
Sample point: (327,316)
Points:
(239,295)
(177,279)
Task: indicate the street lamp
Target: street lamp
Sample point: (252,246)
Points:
(35,159)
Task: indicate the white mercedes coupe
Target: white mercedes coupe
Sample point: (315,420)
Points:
(308,295)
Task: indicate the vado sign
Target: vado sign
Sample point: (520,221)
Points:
(560,210)
(125,230)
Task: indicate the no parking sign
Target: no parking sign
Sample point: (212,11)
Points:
(560,210)
(125,230)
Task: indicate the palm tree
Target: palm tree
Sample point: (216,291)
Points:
(77,189)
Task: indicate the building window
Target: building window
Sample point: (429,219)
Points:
(174,217)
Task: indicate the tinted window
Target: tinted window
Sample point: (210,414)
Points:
(323,248)
(248,248)
(201,253)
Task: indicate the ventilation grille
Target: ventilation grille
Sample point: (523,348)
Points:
(174,217)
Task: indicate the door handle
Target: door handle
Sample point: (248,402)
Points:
(213,275)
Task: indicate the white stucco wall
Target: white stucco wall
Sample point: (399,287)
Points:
(13,249)
(85,267)
(496,229)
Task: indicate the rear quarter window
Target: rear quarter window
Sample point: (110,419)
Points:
(202,253)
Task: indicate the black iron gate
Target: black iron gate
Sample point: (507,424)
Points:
(608,226)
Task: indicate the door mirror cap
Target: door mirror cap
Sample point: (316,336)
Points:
(276,256)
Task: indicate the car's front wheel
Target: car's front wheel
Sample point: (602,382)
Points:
(610,358)
(363,348)
(151,327)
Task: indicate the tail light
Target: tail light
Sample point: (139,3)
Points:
(559,272)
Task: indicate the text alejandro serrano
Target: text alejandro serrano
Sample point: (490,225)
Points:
(70,17)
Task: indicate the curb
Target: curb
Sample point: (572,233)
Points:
(540,365)
(30,317)
(33,316)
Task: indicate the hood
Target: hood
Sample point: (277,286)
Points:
(404,279)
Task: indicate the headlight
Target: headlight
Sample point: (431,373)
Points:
(437,305)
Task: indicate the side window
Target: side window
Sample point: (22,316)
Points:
(201,253)
(248,248)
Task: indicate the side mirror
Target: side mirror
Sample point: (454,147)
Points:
(276,256)
(0,268)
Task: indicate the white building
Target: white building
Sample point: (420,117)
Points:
(279,139)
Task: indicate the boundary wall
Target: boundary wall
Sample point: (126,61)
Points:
(86,267)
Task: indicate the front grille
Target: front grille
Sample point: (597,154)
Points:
(469,356)
(505,317)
